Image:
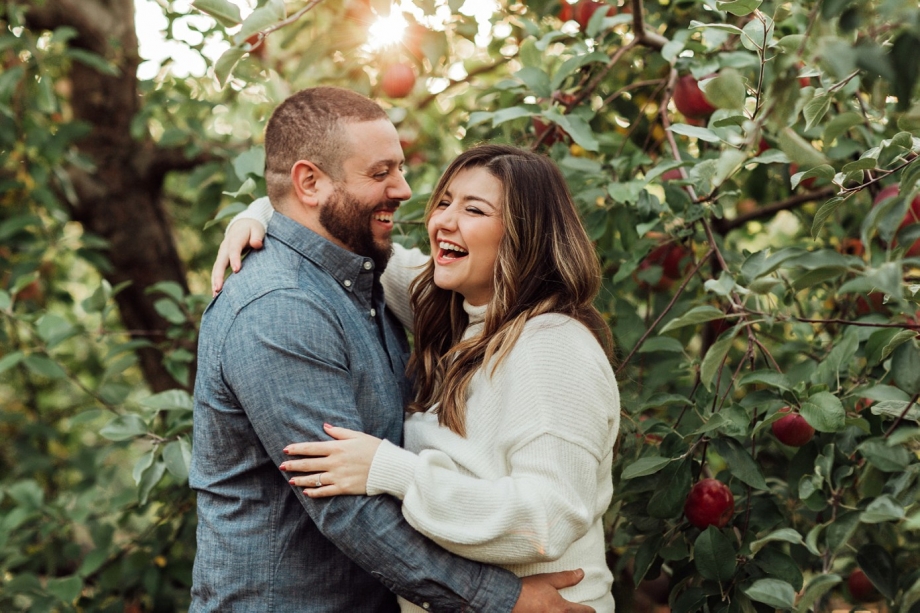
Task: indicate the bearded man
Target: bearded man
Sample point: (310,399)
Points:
(301,336)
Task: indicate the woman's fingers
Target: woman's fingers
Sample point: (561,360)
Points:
(311,449)
(220,265)
(307,465)
(341,433)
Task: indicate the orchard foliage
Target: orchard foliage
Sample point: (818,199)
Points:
(759,266)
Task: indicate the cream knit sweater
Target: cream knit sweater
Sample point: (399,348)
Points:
(528,485)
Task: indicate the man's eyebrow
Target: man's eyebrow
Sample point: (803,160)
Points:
(387,163)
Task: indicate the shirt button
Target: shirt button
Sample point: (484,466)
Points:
(373,312)
(426,606)
(346,283)
(368,265)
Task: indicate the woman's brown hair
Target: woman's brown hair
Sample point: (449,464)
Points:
(546,264)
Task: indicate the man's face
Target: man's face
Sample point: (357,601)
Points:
(359,213)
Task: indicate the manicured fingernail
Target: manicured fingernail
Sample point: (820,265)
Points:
(292,482)
(287,451)
(283,467)
(327,426)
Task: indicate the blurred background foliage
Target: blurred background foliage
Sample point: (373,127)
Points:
(748,172)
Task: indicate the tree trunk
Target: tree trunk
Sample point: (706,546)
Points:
(121,201)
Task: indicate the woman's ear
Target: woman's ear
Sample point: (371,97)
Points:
(305,179)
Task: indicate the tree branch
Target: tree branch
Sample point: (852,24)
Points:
(724,226)
(94,22)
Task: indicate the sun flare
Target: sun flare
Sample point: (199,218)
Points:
(387,30)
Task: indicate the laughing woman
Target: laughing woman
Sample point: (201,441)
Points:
(509,442)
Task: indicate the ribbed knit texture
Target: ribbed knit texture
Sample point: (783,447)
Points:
(527,487)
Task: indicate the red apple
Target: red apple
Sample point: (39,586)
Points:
(541,127)
(689,99)
(672,175)
(792,429)
(670,257)
(746,206)
(397,80)
(911,217)
(257,45)
(585,9)
(861,589)
(566,10)
(851,246)
(874,302)
(710,503)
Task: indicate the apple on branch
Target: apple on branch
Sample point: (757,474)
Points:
(397,80)
(710,503)
(792,429)
(690,100)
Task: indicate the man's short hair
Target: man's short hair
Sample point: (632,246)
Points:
(309,126)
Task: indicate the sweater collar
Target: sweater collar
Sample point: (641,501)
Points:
(477,314)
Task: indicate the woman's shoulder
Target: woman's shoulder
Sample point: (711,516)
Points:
(560,330)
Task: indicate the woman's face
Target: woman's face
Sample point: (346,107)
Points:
(465,229)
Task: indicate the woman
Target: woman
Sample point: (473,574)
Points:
(509,442)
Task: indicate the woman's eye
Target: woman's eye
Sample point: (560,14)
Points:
(443,204)
(474,210)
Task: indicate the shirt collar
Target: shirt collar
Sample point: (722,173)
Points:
(343,265)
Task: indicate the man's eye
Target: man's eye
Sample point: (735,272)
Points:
(381,175)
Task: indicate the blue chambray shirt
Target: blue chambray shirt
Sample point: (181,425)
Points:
(299,337)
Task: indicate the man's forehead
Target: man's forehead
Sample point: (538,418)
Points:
(372,143)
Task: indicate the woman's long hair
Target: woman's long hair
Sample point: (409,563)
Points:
(546,264)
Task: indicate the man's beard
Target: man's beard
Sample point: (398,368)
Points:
(349,221)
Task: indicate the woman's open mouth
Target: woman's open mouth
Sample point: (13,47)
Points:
(450,251)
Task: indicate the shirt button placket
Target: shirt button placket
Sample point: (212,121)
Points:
(347,282)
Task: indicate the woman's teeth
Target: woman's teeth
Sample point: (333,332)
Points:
(452,247)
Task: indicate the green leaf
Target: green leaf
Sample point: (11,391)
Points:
(226,13)
(170,400)
(94,61)
(661,399)
(772,592)
(177,455)
(896,409)
(714,555)
(668,501)
(841,530)
(781,566)
(261,19)
(66,589)
(824,412)
(660,343)
(10,360)
(840,124)
(787,535)
(905,367)
(170,311)
(149,479)
(536,80)
(713,360)
(739,462)
(883,457)
(882,509)
(739,7)
(225,64)
(703,134)
(726,90)
(28,493)
(143,463)
(646,555)
(124,427)
(816,108)
(644,466)
(799,150)
(509,114)
(769,378)
(879,567)
(5,300)
(883,342)
(694,316)
(44,366)
(579,130)
(817,587)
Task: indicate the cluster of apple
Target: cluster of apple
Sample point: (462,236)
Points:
(583,10)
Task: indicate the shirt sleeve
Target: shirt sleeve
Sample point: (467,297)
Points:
(404,266)
(259,210)
(532,515)
(290,384)
(561,403)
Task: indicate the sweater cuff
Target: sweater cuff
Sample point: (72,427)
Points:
(391,471)
(259,210)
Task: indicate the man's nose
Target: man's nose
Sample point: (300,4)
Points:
(400,189)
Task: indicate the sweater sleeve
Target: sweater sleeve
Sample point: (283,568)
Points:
(404,266)
(259,210)
(563,414)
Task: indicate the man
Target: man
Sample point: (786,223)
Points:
(301,337)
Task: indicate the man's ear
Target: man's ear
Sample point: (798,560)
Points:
(305,179)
